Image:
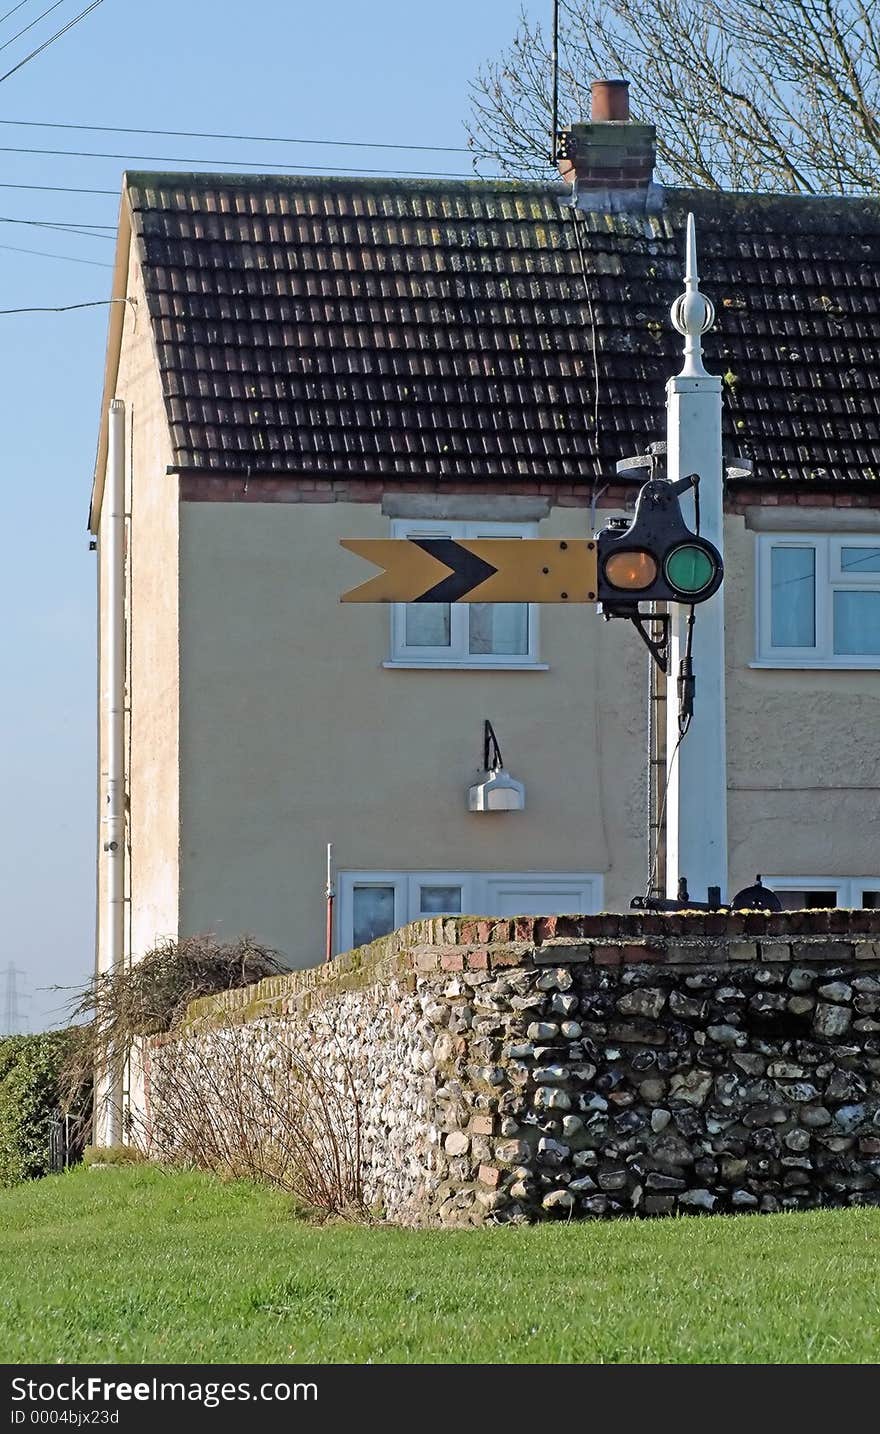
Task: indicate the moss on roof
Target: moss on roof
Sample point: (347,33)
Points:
(444,328)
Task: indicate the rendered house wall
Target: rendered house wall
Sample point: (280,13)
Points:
(803,765)
(293,734)
(152,664)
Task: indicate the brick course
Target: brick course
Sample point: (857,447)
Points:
(261,488)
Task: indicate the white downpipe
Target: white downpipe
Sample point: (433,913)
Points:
(113,821)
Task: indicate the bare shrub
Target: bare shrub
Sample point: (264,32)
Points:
(238,1100)
(151,996)
(241,1102)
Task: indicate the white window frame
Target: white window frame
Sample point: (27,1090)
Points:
(829,578)
(457,654)
(479,895)
(346,881)
(848,888)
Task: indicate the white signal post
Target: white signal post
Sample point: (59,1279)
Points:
(696,799)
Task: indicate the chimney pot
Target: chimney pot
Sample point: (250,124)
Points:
(610,158)
(609,100)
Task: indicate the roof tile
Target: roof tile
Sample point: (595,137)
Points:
(447,329)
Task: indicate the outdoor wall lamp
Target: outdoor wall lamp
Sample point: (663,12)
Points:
(498,791)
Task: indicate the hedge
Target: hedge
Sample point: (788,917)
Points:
(30,1068)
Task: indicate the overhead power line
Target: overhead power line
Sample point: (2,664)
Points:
(19,6)
(52,38)
(65,308)
(86,231)
(7,43)
(223,164)
(245,138)
(61,189)
(44,254)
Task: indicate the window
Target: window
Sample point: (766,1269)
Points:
(439,900)
(372,912)
(372,903)
(818,600)
(803,892)
(463,634)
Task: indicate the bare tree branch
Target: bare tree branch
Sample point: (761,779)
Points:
(779,95)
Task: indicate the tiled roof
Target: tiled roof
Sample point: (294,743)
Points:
(447,329)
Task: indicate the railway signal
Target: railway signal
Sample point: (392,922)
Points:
(653,558)
(656,557)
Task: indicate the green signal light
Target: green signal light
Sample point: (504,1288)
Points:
(689,569)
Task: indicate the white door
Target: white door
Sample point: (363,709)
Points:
(542,895)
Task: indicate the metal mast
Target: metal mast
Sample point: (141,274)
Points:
(696,827)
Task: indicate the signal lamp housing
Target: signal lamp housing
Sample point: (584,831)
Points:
(656,558)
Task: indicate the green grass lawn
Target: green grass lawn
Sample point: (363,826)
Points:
(137,1265)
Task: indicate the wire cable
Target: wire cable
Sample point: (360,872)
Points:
(653,873)
(7,43)
(223,164)
(52,38)
(554,84)
(578,218)
(245,138)
(66,308)
(85,231)
(44,254)
(61,189)
(685,683)
(684,723)
(19,6)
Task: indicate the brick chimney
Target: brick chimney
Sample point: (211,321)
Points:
(611,155)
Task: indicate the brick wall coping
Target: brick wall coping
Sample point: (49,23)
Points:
(462,944)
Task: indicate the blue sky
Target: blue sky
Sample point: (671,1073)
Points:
(389,70)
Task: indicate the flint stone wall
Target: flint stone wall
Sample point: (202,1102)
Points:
(594,1066)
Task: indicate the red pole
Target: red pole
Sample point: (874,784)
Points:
(329,949)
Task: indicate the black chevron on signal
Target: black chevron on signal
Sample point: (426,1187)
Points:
(468,571)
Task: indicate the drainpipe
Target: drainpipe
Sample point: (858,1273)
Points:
(330,892)
(113,820)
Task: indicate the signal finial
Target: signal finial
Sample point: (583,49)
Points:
(692,313)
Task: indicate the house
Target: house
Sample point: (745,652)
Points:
(305,360)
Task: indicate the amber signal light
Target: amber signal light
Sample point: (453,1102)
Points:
(631,571)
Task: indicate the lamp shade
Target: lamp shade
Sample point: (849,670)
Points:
(497,792)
